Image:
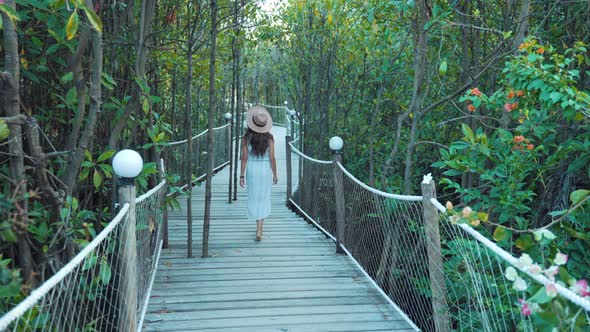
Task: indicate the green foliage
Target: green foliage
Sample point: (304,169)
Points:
(99,168)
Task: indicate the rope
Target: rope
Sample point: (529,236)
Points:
(566,293)
(306,157)
(376,191)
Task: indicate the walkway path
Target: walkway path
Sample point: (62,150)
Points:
(290,281)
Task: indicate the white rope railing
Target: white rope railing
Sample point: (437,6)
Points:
(90,292)
(513,261)
(376,191)
(388,237)
(36,295)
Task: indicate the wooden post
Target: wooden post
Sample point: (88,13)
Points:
(340,212)
(440,308)
(165,212)
(289,168)
(231,162)
(128,259)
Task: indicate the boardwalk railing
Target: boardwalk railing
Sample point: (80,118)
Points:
(445,276)
(92,292)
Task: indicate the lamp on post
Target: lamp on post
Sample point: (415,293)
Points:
(291,114)
(336,145)
(227,116)
(127,164)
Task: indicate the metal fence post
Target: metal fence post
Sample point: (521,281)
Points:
(435,266)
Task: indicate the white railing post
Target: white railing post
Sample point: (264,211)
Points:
(440,308)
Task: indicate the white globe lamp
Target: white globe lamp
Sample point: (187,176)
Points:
(336,144)
(127,164)
(227,116)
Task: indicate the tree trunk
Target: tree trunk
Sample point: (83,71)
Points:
(9,84)
(420,70)
(73,164)
(210,139)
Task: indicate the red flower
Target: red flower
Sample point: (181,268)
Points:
(530,147)
(476,92)
(508,107)
(511,94)
(471,108)
(518,139)
(519,93)
(541,50)
(514,106)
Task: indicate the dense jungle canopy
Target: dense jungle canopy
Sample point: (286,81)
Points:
(491,97)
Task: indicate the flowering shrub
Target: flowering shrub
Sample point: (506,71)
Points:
(518,167)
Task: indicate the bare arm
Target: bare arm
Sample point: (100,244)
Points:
(244,160)
(273,161)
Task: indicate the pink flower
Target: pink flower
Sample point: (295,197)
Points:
(525,309)
(535,269)
(551,290)
(581,287)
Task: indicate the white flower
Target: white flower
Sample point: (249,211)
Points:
(467,211)
(535,269)
(449,205)
(511,273)
(551,290)
(455,219)
(551,272)
(560,259)
(519,284)
(543,233)
(427,178)
(525,261)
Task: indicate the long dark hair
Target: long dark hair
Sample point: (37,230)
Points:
(259,141)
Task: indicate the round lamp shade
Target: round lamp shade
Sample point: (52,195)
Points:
(286,102)
(127,164)
(227,116)
(336,143)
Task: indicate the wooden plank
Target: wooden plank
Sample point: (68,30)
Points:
(290,281)
(252,323)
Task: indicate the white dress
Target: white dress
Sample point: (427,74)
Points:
(259,184)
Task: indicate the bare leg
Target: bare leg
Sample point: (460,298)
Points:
(258,230)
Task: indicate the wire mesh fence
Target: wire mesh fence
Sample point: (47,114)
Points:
(92,292)
(175,155)
(443,276)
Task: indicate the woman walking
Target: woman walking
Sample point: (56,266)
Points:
(259,165)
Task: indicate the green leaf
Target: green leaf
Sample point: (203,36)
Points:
(442,69)
(555,96)
(89,262)
(145,105)
(10,12)
(105,155)
(525,242)
(4,131)
(579,195)
(93,18)
(105,272)
(72,26)
(468,132)
(502,234)
(72,97)
(540,297)
(67,78)
(97,179)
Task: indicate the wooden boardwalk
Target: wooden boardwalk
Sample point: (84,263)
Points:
(290,281)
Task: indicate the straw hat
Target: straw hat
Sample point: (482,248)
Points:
(259,120)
